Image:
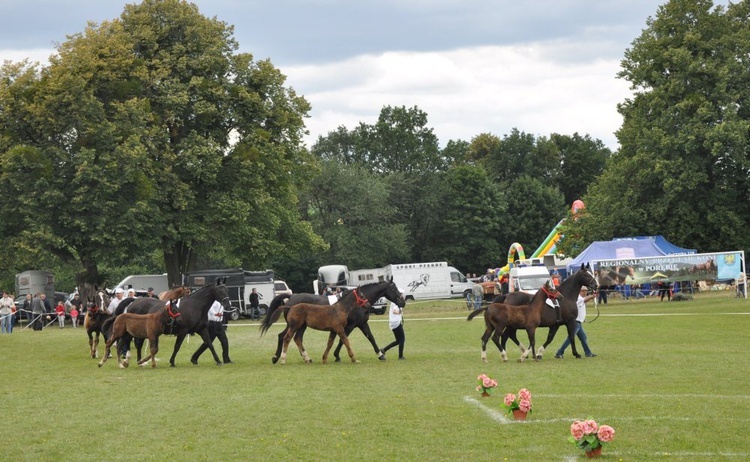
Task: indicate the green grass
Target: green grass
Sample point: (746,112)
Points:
(671,378)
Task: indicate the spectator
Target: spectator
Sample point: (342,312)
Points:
(664,289)
(151,293)
(254,303)
(74,315)
(6,313)
(38,309)
(478,291)
(26,309)
(75,303)
(119,292)
(60,313)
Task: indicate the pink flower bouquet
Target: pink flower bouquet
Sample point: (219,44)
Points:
(521,402)
(588,435)
(485,384)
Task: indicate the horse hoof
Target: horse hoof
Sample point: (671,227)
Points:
(220,363)
(171,364)
(484,360)
(381,357)
(538,357)
(194,361)
(337,360)
(100,364)
(274,360)
(122,367)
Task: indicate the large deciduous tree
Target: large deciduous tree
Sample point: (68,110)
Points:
(683,169)
(150,131)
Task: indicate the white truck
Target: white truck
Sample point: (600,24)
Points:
(528,276)
(421,281)
(240,284)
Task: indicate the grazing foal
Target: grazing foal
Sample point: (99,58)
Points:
(149,326)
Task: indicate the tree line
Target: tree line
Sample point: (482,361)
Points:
(148,144)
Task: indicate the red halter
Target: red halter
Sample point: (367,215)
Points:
(552,295)
(361,301)
(171,313)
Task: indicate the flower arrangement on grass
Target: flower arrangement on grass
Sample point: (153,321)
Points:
(522,402)
(588,435)
(485,384)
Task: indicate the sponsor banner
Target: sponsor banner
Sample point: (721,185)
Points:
(695,267)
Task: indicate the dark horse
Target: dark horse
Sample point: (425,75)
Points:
(193,313)
(147,326)
(331,318)
(96,314)
(569,288)
(499,316)
(357,318)
(619,275)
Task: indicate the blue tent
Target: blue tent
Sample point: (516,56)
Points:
(630,247)
(664,245)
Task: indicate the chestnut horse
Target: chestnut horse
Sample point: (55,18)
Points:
(331,318)
(96,314)
(145,326)
(174,293)
(499,316)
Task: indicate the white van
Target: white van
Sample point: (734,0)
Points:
(528,276)
(421,281)
(141,283)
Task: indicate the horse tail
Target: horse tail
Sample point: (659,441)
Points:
(273,312)
(474,313)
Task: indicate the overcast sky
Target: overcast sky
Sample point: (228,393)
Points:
(474,66)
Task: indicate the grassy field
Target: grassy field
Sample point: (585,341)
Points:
(671,378)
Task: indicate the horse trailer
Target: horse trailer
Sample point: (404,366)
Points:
(35,282)
(240,284)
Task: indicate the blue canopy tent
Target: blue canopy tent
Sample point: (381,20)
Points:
(663,244)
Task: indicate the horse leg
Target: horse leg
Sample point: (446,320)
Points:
(153,343)
(499,342)
(513,335)
(206,337)
(93,345)
(301,348)
(550,337)
(345,339)
(177,344)
(279,346)
(531,331)
(331,336)
(107,348)
(285,345)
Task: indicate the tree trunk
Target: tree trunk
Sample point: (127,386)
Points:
(88,281)
(178,260)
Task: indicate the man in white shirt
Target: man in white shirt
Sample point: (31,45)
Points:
(581,303)
(115,301)
(6,313)
(216,328)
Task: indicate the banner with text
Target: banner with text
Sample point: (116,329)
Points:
(696,267)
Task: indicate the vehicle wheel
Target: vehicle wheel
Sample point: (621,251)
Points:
(235,315)
(262,310)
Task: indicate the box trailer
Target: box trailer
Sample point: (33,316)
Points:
(35,282)
(240,284)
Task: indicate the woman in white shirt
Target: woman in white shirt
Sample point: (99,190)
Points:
(396,323)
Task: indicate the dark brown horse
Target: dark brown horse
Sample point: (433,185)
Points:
(331,318)
(619,275)
(145,326)
(499,316)
(96,314)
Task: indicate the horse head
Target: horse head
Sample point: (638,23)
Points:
(221,293)
(587,277)
(393,294)
(97,301)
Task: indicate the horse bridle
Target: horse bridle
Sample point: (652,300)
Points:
(552,295)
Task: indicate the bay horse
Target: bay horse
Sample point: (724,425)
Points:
(193,313)
(96,314)
(145,326)
(331,318)
(357,318)
(499,316)
(569,289)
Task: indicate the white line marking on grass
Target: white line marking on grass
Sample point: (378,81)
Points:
(495,415)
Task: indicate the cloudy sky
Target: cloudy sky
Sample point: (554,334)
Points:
(474,66)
